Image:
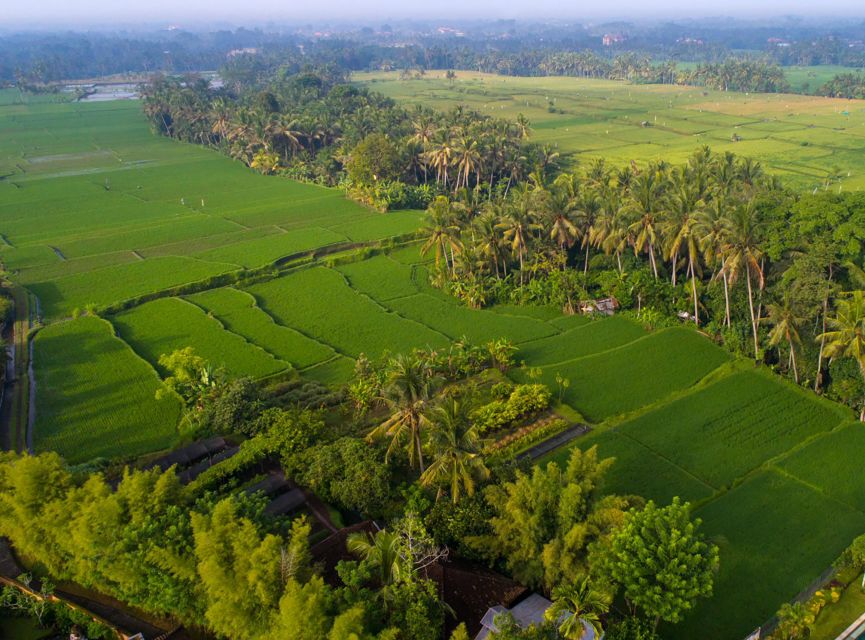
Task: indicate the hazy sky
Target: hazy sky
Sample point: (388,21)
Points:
(78,12)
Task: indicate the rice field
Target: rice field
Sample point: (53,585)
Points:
(167,324)
(96,397)
(239,313)
(94,209)
(629,377)
(799,137)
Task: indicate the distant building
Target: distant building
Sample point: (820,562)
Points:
(245,51)
(610,39)
(778,42)
(698,42)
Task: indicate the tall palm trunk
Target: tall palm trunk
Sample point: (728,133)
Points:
(753,319)
(586,261)
(417,443)
(793,360)
(652,260)
(726,301)
(675,262)
(694,291)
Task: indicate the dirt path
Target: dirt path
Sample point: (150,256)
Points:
(546,446)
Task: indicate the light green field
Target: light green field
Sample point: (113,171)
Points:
(95,397)
(809,79)
(622,122)
(94,208)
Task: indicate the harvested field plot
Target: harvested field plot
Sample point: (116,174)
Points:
(622,122)
(95,397)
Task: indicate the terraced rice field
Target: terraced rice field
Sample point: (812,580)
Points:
(798,137)
(164,325)
(96,397)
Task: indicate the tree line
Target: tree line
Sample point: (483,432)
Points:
(314,126)
(715,241)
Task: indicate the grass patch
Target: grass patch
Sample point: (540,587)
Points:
(586,339)
(833,463)
(239,313)
(317,301)
(638,470)
(456,321)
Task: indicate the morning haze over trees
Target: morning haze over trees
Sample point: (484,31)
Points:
(433,329)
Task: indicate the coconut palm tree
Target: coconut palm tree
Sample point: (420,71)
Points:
(454,445)
(645,202)
(382,551)
(407,391)
(488,238)
(743,253)
(682,233)
(576,607)
(785,321)
(847,335)
(518,224)
(713,228)
(442,232)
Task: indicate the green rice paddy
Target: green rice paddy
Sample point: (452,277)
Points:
(94,209)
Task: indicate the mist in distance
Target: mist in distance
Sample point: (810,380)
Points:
(201,13)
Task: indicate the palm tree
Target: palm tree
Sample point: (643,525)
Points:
(645,196)
(468,160)
(742,254)
(682,234)
(847,337)
(441,231)
(382,551)
(576,607)
(713,228)
(785,323)
(518,223)
(488,238)
(407,391)
(454,443)
(440,156)
(561,205)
